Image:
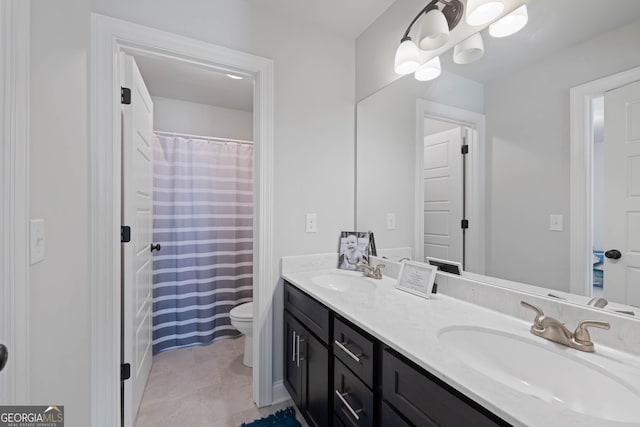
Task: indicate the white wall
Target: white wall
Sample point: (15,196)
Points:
(59,302)
(528,156)
(174,115)
(313,161)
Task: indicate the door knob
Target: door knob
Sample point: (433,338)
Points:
(4,355)
(613,254)
(155,247)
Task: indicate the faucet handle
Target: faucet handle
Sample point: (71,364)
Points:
(581,333)
(537,322)
(377,272)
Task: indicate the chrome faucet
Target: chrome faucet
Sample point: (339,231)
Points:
(554,330)
(369,271)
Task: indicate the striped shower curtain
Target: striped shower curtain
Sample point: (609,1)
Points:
(203,219)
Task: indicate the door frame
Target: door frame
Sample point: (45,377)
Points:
(110,36)
(474,183)
(15,23)
(581,175)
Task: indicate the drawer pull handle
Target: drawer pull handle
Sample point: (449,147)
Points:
(298,341)
(345,403)
(293,348)
(342,346)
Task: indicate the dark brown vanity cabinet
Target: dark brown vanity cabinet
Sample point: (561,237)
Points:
(338,375)
(306,357)
(355,391)
(424,400)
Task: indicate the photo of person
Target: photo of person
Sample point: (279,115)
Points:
(354,247)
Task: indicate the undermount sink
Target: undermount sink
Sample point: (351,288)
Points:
(547,372)
(341,282)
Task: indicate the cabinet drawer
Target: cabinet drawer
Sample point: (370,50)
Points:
(424,400)
(310,312)
(354,349)
(390,418)
(352,399)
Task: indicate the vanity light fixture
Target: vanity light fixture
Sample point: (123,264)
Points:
(234,77)
(435,27)
(479,12)
(429,70)
(433,35)
(434,30)
(510,24)
(469,50)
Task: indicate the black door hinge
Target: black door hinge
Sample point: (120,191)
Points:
(125,234)
(465,149)
(125,371)
(125,95)
(464,224)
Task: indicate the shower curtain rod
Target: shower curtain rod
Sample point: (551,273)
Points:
(208,138)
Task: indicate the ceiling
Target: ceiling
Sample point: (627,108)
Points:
(188,82)
(553,25)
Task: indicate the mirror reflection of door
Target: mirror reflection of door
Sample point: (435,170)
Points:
(597,132)
(443,177)
(622,194)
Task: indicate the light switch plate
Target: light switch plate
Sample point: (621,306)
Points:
(311,221)
(555,222)
(37,240)
(391,221)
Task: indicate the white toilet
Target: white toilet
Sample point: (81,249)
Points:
(242,320)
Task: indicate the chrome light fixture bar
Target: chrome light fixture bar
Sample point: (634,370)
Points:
(435,27)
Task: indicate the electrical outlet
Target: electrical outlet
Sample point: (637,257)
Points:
(311,221)
(555,222)
(391,221)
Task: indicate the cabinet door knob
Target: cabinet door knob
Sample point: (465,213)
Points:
(155,247)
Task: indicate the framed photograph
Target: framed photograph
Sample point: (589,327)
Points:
(446,266)
(353,247)
(417,278)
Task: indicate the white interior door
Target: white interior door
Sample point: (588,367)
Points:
(137,152)
(443,195)
(622,194)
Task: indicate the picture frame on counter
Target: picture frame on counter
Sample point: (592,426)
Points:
(353,248)
(417,278)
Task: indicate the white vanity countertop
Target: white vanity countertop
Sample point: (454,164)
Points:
(411,325)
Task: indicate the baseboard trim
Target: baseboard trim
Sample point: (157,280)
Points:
(279,393)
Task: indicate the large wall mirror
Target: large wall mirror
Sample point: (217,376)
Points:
(513,108)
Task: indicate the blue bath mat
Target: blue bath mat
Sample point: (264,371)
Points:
(283,418)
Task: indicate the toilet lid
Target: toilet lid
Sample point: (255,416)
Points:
(242,311)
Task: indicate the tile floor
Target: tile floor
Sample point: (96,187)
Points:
(201,386)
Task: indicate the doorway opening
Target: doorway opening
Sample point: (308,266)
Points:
(187,193)
(110,39)
(468,188)
(582,171)
(444,170)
